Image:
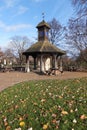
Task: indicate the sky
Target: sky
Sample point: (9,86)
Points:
(20,17)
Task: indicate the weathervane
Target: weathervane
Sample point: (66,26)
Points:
(43,15)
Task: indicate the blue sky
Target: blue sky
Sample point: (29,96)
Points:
(20,17)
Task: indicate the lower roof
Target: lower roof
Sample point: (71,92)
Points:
(43,47)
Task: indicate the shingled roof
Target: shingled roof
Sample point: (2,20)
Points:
(43,47)
(43,23)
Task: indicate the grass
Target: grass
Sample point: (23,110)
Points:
(45,105)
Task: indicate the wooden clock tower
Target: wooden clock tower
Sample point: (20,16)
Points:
(44,53)
(43,31)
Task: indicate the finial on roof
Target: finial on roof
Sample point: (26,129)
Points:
(43,15)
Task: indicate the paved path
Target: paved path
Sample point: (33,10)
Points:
(10,78)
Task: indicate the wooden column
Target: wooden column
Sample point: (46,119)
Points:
(61,65)
(27,69)
(35,63)
(55,62)
(56,71)
(41,63)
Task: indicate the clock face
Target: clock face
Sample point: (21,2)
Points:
(41,33)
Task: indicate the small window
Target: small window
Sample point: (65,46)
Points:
(41,33)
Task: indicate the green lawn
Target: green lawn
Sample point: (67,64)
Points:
(45,105)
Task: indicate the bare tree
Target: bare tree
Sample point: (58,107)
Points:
(18,44)
(77,35)
(56,31)
(1,54)
(81,7)
(8,53)
(82,58)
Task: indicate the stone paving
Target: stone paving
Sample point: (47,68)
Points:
(8,79)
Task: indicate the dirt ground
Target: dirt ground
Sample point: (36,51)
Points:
(10,78)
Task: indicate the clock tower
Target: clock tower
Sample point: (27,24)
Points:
(45,54)
(43,31)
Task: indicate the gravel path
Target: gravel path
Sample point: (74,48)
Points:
(10,78)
